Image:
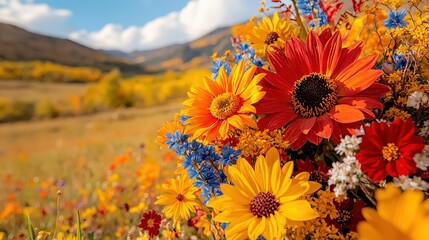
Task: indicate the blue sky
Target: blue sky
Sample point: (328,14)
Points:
(126,25)
(92,15)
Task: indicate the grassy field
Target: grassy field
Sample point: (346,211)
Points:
(34,91)
(48,147)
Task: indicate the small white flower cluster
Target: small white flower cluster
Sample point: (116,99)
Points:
(422,159)
(348,146)
(424,131)
(415,183)
(346,175)
(417,99)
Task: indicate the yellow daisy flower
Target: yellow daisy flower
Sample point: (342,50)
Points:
(270,33)
(223,104)
(399,216)
(264,200)
(179,197)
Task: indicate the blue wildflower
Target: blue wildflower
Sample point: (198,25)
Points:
(183,119)
(400,61)
(305,6)
(244,46)
(257,62)
(216,65)
(396,19)
(177,141)
(323,19)
(229,155)
(224,225)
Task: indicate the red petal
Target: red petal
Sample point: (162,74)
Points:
(293,131)
(358,76)
(298,143)
(325,36)
(275,121)
(376,90)
(323,127)
(348,56)
(331,54)
(314,51)
(274,101)
(346,114)
(296,53)
(313,138)
(307,124)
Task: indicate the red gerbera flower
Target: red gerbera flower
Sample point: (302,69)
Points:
(150,222)
(319,89)
(349,215)
(389,149)
(318,172)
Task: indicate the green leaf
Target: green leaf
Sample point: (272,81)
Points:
(30,229)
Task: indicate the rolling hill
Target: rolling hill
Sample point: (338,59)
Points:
(17,44)
(187,55)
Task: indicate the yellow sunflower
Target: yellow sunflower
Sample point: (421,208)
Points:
(264,200)
(223,104)
(399,216)
(270,33)
(179,197)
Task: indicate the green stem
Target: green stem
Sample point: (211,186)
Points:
(303,31)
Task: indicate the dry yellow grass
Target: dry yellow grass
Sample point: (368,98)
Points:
(34,91)
(63,148)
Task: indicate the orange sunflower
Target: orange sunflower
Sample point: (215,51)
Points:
(319,89)
(223,104)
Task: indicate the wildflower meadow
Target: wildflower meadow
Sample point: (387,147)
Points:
(316,126)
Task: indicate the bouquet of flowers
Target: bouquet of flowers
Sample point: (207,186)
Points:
(315,127)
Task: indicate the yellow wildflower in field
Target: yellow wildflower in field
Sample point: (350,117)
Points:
(270,33)
(398,216)
(179,197)
(264,200)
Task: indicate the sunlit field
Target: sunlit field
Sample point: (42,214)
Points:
(84,158)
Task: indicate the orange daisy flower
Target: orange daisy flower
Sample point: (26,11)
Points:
(319,89)
(223,104)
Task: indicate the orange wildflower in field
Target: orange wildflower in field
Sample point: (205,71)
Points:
(223,104)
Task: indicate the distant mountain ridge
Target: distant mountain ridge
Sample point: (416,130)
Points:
(17,44)
(181,56)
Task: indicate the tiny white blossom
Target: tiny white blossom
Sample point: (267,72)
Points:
(360,131)
(415,183)
(349,145)
(424,131)
(344,175)
(422,159)
(417,99)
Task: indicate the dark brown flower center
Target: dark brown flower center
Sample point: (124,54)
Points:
(344,217)
(271,38)
(313,95)
(264,204)
(317,176)
(180,197)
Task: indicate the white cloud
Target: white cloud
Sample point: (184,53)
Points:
(37,17)
(197,18)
